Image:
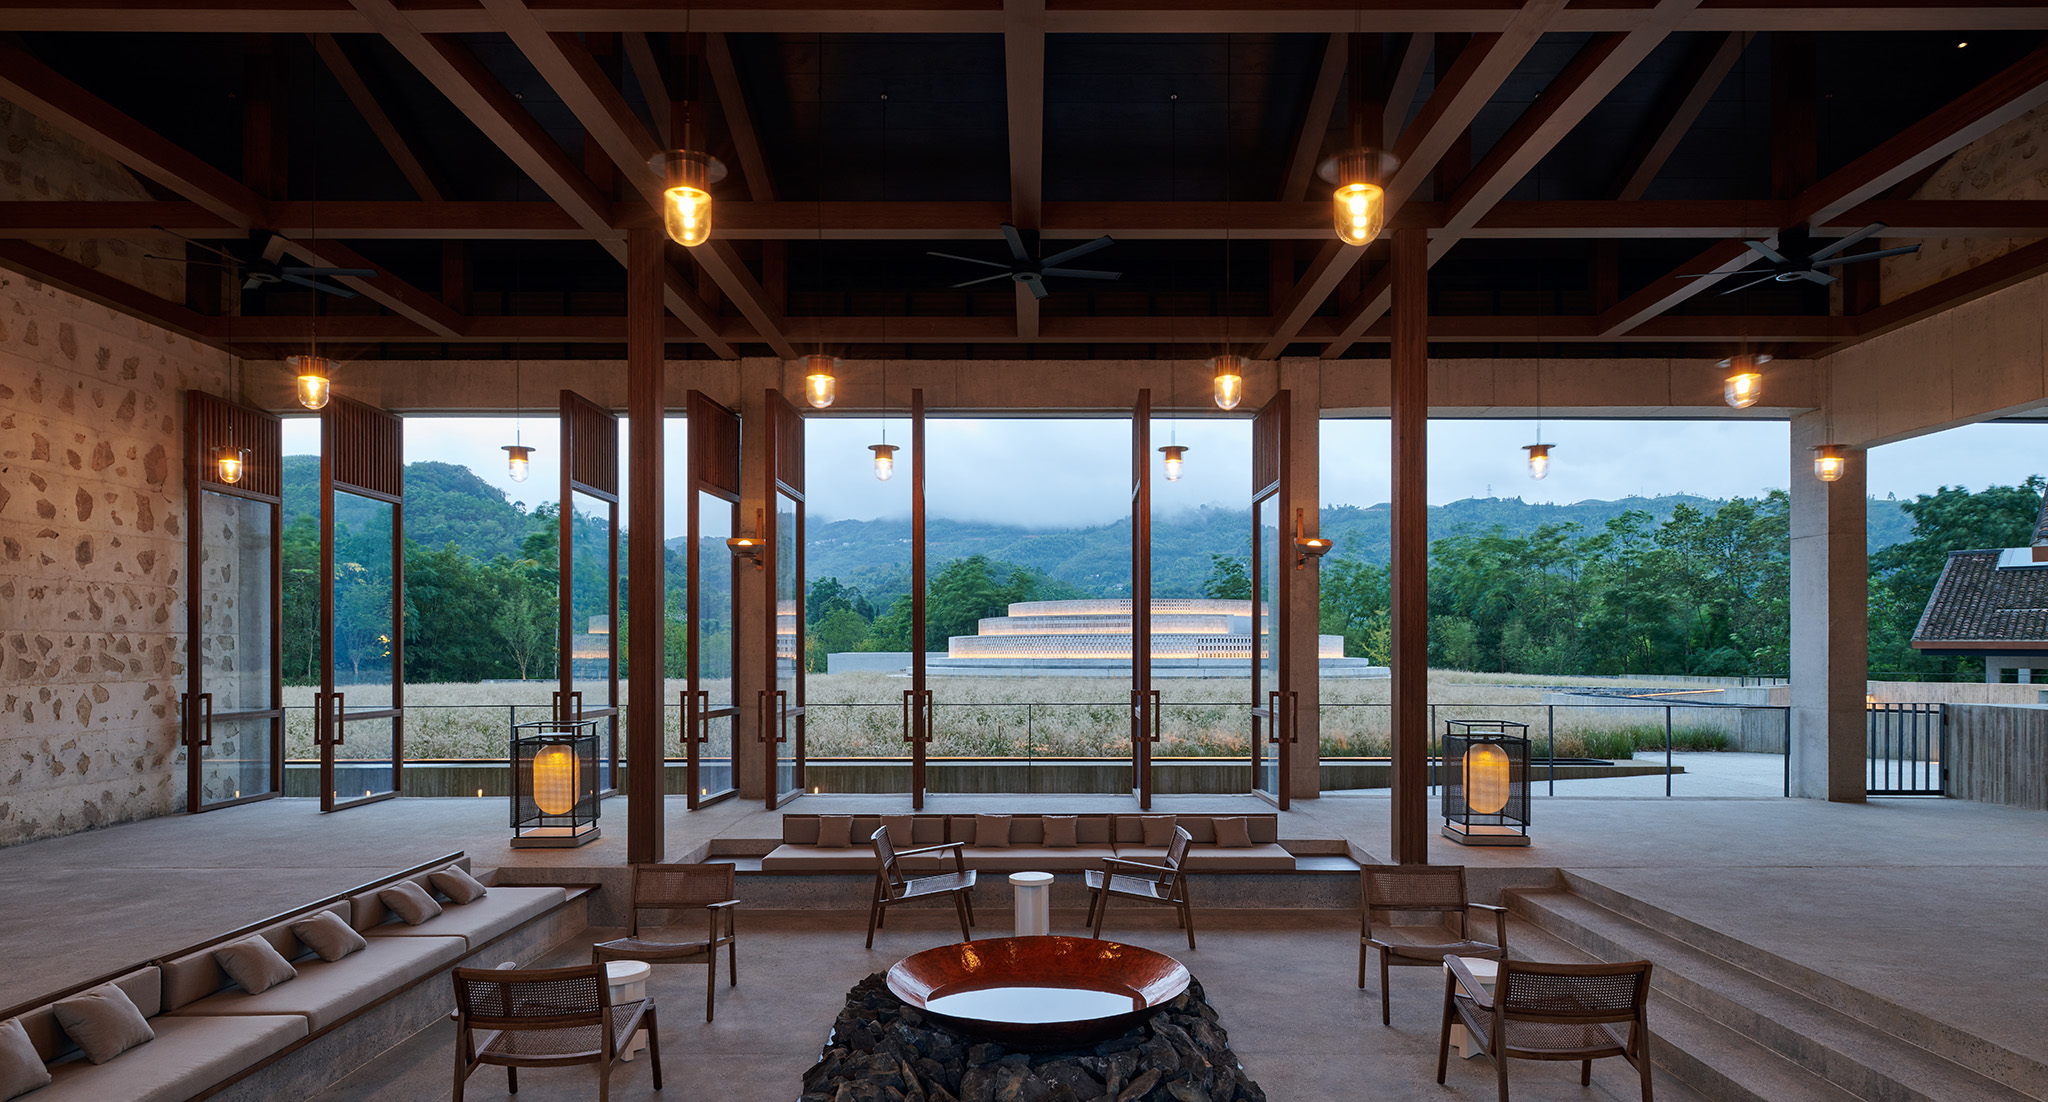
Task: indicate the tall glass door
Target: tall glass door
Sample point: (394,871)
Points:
(709,711)
(231,711)
(1274,702)
(781,707)
(588,587)
(1145,717)
(360,722)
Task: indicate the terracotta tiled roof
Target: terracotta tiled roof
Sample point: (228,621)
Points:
(1974,601)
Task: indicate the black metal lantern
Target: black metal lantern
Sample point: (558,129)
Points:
(1486,782)
(554,784)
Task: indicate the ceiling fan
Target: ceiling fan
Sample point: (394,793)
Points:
(1032,273)
(1796,259)
(264,269)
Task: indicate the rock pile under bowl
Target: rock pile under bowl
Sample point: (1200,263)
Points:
(882,1050)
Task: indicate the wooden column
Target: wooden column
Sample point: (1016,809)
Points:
(646,595)
(1409,576)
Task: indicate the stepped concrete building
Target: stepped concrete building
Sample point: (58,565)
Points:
(1191,637)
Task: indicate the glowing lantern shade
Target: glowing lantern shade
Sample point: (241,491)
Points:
(1539,459)
(885,460)
(313,373)
(1829,462)
(1175,455)
(686,204)
(821,383)
(557,777)
(228,464)
(1358,206)
(1486,778)
(1229,380)
(518,457)
(1743,384)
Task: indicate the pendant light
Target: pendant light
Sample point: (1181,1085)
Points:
(229,462)
(1830,461)
(686,207)
(1742,383)
(821,380)
(518,457)
(885,452)
(1358,205)
(885,460)
(1539,452)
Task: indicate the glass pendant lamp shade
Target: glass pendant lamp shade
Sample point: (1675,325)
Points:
(1176,454)
(1743,384)
(313,373)
(686,203)
(1229,370)
(1539,459)
(1829,462)
(885,461)
(519,460)
(821,380)
(1358,206)
(229,462)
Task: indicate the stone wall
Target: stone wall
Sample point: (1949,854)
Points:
(92,557)
(2004,164)
(39,163)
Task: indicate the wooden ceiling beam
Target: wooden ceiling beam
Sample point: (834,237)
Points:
(1315,120)
(1024,84)
(739,120)
(385,289)
(350,77)
(1706,69)
(1996,274)
(97,286)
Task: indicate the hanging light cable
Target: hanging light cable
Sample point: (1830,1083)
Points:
(1539,452)
(1830,460)
(821,372)
(314,371)
(228,460)
(518,457)
(885,452)
(1358,205)
(688,173)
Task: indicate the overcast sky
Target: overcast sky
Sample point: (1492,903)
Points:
(1058,473)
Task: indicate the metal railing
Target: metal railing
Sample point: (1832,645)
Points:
(1906,752)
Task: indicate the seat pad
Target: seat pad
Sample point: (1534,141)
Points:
(1205,857)
(189,1055)
(479,921)
(327,991)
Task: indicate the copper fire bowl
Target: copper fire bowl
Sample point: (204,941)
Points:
(1039,992)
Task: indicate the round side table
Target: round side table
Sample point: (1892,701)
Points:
(628,981)
(1034,903)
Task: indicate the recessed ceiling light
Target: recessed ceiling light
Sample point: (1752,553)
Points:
(1960,45)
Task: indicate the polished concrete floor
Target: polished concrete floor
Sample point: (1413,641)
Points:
(1286,993)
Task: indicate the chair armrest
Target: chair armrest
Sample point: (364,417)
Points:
(962,846)
(1500,923)
(1137,865)
(721,904)
(1474,990)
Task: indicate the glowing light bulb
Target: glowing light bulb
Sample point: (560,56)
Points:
(1486,779)
(686,204)
(557,780)
(821,383)
(313,373)
(1829,463)
(885,460)
(518,458)
(1743,384)
(228,464)
(1361,212)
(1229,380)
(1175,455)
(1539,460)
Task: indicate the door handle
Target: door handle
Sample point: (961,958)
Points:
(761,716)
(206,728)
(1158,713)
(704,716)
(340,717)
(782,708)
(185,720)
(909,733)
(1293,715)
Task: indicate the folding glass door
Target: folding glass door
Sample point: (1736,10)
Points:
(1275,705)
(1145,717)
(588,586)
(709,712)
(360,722)
(232,709)
(781,708)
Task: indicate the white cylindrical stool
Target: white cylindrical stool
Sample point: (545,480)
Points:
(1487,972)
(1034,903)
(628,981)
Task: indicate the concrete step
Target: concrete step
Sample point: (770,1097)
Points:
(2021,1073)
(1852,1055)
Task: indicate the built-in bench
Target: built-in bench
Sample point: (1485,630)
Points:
(1096,837)
(214,1038)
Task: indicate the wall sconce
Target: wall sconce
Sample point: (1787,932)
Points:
(229,462)
(554,784)
(1489,803)
(1307,548)
(1829,462)
(751,548)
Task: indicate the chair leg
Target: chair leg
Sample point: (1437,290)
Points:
(1585,1073)
(1642,1059)
(732,961)
(604,1081)
(1101,911)
(1187,919)
(960,907)
(1500,1058)
(1443,1040)
(968,896)
(1094,896)
(511,1080)
(1386,1002)
(710,981)
(874,916)
(1361,964)
(461,1075)
(653,1046)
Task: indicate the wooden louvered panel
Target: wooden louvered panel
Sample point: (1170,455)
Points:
(212,423)
(1267,429)
(590,445)
(365,448)
(788,426)
(714,446)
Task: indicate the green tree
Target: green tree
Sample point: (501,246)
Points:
(527,628)
(1354,604)
(1902,576)
(840,631)
(1227,579)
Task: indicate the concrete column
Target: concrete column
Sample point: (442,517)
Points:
(1301,378)
(1409,573)
(646,594)
(1830,664)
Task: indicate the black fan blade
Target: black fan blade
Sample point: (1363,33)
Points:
(1900,251)
(273,249)
(983,279)
(255,282)
(1078,251)
(357,273)
(1717,275)
(1038,288)
(1821,278)
(1760,279)
(1016,241)
(1079,273)
(326,288)
(1768,253)
(970,260)
(1845,242)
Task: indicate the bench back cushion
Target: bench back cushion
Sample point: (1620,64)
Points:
(367,912)
(196,975)
(1264,829)
(142,986)
(925,830)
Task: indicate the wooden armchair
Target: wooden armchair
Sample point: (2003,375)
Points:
(545,1017)
(1551,1012)
(1165,884)
(1386,890)
(681,887)
(893,887)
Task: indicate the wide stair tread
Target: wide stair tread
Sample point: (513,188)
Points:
(1858,1057)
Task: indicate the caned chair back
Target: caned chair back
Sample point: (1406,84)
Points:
(885,859)
(535,998)
(668,887)
(1389,889)
(1573,993)
(1176,855)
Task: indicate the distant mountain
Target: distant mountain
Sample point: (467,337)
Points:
(444,503)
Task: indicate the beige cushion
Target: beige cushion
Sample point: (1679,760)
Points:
(327,935)
(409,902)
(458,886)
(1036,859)
(836,831)
(325,993)
(902,828)
(1158,829)
(253,964)
(21,1069)
(1258,857)
(103,1022)
(505,909)
(991,832)
(1232,832)
(796,858)
(189,1057)
(1059,831)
